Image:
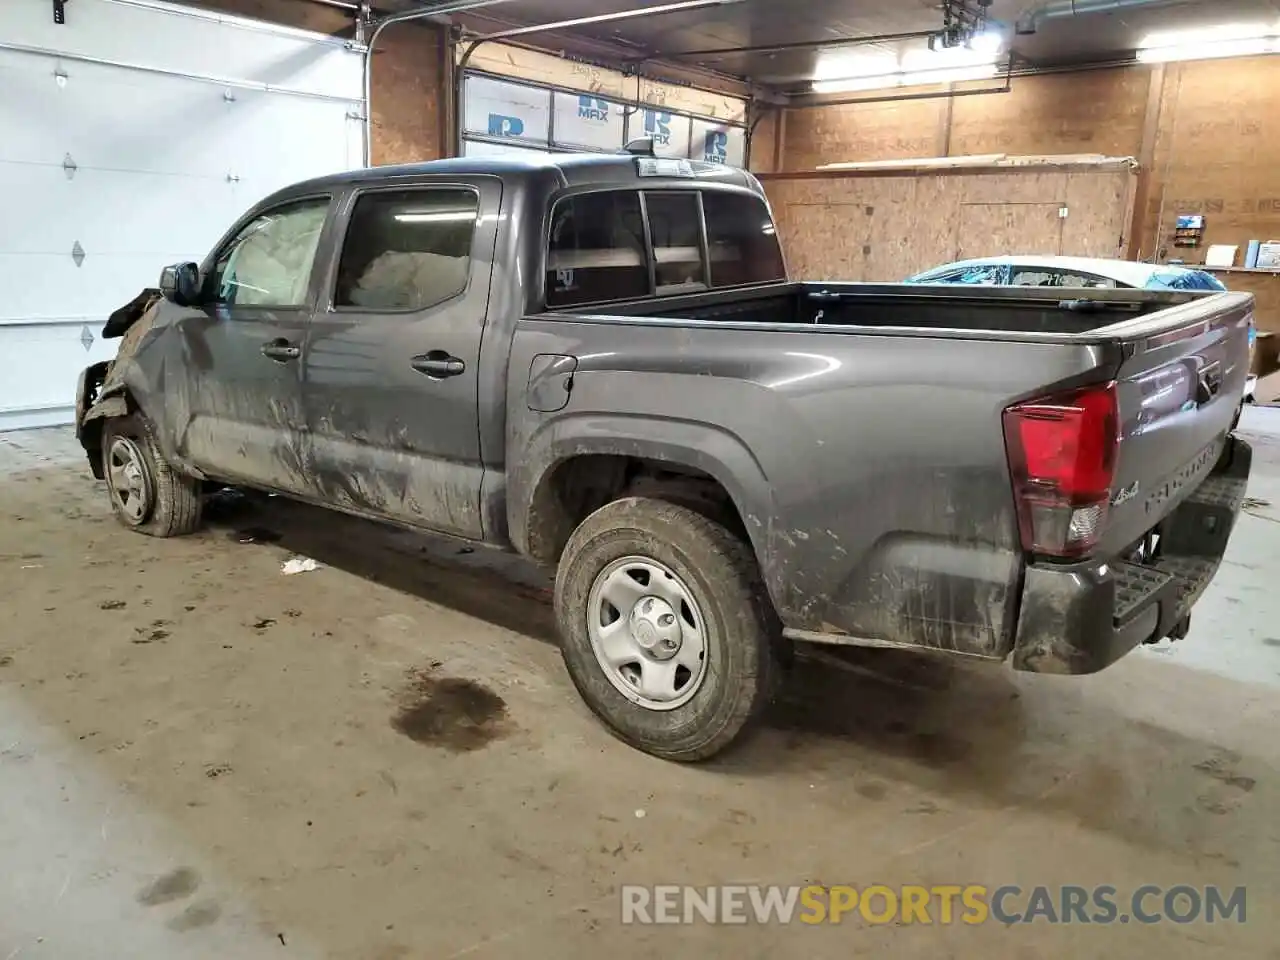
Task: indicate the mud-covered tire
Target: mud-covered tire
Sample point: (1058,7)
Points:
(740,632)
(170,504)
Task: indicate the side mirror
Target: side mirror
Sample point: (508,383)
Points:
(180,284)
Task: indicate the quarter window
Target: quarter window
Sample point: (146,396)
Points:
(407,250)
(268,263)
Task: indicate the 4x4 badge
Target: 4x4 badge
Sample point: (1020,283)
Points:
(1125,493)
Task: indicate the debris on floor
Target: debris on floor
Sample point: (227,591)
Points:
(255,535)
(298,565)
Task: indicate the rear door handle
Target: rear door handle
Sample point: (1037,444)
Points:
(438,365)
(281,350)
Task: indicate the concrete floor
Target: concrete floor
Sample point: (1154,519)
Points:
(202,757)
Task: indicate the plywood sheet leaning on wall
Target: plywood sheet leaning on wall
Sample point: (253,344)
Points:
(886,224)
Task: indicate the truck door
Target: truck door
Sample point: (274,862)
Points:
(390,379)
(241,416)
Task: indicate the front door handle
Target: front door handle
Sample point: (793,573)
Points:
(437,364)
(281,350)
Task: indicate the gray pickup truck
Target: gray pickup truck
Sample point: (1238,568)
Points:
(599,362)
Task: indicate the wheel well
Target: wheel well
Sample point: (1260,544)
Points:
(575,488)
(91,431)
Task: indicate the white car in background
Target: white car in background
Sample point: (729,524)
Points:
(1079,272)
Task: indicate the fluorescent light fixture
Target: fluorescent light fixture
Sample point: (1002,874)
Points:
(1225,31)
(1208,51)
(853,84)
(988,43)
(981,71)
(1206,43)
(915,67)
(914,60)
(837,67)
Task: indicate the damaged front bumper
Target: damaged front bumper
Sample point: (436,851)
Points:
(1080,618)
(87,389)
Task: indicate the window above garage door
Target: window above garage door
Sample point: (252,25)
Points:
(503,117)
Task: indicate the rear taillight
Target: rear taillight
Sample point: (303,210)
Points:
(1062,454)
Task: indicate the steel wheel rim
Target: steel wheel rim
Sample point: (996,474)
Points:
(128,480)
(647,632)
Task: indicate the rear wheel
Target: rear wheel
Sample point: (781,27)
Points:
(147,493)
(666,630)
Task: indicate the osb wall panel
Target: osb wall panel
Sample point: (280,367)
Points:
(764,143)
(407,87)
(875,131)
(887,228)
(409,94)
(1216,154)
(1265,288)
(1095,112)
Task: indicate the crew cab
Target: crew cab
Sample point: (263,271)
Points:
(600,363)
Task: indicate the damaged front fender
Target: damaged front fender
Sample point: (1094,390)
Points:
(103,392)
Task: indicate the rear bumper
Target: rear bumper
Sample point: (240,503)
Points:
(1083,617)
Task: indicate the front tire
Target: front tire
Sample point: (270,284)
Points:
(665,626)
(147,493)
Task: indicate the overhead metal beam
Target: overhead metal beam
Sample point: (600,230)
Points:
(807,44)
(339,4)
(1031,20)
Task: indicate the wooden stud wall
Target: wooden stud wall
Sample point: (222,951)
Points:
(1216,152)
(1100,111)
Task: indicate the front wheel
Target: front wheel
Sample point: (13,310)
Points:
(148,494)
(665,626)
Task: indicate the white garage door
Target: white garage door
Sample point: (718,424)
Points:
(131,136)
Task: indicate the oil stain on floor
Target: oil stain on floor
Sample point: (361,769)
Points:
(451,712)
(174,885)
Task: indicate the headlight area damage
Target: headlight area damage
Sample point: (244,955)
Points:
(102,391)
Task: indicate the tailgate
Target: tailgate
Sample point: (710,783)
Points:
(1179,391)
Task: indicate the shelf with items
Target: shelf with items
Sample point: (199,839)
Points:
(1188,231)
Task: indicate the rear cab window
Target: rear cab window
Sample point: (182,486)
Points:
(596,250)
(1035,276)
(1185,280)
(985,275)
(741,239)
(679,260)
(625,244)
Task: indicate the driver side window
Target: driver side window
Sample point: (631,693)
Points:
(268,262)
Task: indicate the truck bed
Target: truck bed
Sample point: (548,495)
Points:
(912,307)
(861,433)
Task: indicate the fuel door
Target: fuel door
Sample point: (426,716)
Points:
(550,382)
